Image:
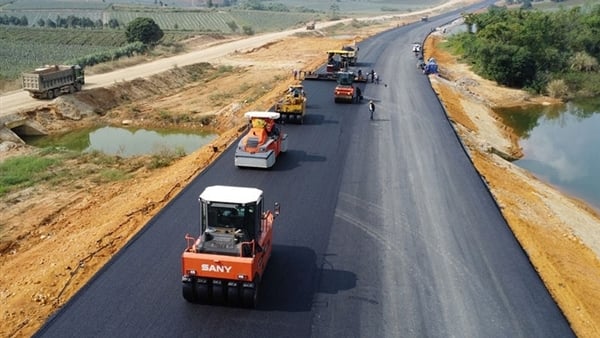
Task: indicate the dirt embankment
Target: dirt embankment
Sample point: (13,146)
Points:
(559,233)
(53,238)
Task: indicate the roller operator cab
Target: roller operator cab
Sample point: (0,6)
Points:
(225,264)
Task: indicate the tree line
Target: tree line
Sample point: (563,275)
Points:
(555,52)
(70,21)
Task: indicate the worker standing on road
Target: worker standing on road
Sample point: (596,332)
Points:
(371,108)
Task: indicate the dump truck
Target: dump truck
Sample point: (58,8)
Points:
(226,263)
(49,82)
(292,105)
(310,26)
(345,91)
(263,143)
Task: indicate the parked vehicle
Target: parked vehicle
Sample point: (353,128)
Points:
(49,82)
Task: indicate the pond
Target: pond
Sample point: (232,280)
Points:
(126,142)
(561,145)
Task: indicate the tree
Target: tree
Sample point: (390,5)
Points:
(248,30)
(334,8)
(113,23)
(144,30)
(233,26)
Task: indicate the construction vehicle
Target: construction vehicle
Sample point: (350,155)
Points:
(310,26)
(337,61)
(293,105)
(344,91)
(264,142)
(431,67)
(416,47)
(352,56)
(226,263)
(49,82)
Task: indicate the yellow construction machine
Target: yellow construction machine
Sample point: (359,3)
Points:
(292,105)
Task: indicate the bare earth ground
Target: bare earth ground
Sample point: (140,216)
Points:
(55,237)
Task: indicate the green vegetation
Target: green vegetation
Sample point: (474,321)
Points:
(542,51)
(143,30)
(164,156)
(53,166)
(24,171)
(93,31)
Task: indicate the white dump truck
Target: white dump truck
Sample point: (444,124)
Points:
(49,82)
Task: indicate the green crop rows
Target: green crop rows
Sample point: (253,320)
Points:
(262,21)
(106,38)
(55,4)
(26,48)
(16,57)
(34,16)
(195,21)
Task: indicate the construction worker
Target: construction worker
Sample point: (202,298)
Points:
(371,108)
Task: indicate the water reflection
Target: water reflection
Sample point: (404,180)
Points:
(561,145)
(126,142)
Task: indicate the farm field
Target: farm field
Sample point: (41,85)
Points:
(24,48)
(364,7)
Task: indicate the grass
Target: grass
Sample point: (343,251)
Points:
(24,171)
(164,156)
(54,166)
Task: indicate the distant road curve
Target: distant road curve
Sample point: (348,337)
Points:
(20,100)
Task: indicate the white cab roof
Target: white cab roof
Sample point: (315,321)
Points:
(229,194)
(262,115)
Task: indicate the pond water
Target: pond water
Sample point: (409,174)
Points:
(126,142)
(561,145)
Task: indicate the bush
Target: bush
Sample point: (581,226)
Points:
(144,30)
(248,30)
(557,89)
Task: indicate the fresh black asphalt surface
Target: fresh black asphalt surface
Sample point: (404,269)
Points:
(386,230)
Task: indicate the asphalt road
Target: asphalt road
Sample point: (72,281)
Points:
(386,230)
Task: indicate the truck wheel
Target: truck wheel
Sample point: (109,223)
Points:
(233,294)
(78,86)
(202,292)
(218,292)
(250,295)
(50,94)
(189,293)
(71,89)
(56,92)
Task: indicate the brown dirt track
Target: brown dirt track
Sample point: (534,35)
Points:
(53,238)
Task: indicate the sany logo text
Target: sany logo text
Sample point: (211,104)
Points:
(215,268)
